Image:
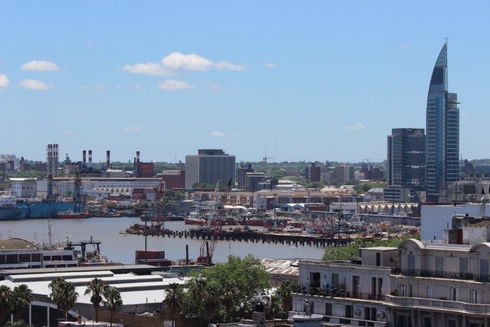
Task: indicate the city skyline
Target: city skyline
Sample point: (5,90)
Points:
(322,81)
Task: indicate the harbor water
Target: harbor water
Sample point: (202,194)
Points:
(118,246)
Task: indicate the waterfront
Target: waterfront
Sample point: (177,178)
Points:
(120,247)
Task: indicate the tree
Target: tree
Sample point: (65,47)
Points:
(20,300)
(113,300)
(285,294)
(63,294)
(5,297)
(226,291)
(96,288)
(172,298)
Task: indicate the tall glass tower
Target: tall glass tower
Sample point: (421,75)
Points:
(442,132)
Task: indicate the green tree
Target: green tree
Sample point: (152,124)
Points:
(20,299)
(96,288)
(113,300)
(272,305)
(63,294)
(285,294)
(172,298)
(5,297)
(226,291)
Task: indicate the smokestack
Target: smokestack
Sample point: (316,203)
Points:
(137,157)
(84,157)
(108,159)
(90,158)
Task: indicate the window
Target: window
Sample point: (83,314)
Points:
(453,295)
(429,291)
(473,296)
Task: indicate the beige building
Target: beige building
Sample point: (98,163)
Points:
(415,285)
(347,293)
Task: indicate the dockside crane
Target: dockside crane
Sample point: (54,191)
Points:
(213,226)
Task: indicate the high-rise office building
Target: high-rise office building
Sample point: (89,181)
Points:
(209,166)
(406,158)
(442,128)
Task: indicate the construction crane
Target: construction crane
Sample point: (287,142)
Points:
(265,163)
(213,226)
(320,229)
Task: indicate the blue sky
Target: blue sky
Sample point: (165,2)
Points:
(298,80)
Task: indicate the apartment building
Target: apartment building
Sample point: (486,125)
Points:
(417,284)
(348,293)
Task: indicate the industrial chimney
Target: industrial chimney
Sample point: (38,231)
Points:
(90,158)
(84,157)
(108,159)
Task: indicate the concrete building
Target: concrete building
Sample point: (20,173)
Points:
(342,174)
(209,166)
(241,175)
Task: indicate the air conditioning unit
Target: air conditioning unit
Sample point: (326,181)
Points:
(357,312)
(380,315)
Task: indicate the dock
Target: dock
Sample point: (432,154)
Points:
(252,236)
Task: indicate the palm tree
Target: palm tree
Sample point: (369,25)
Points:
(172,298)
(21,298)
(63,294)
(285,293)
(96,288)
(113,299)
(5,296)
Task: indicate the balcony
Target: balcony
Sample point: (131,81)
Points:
(441,274)
(437,304)
(339,291)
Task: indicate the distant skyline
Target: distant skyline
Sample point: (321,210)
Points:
(293,81)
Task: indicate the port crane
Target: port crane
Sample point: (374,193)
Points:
(214,223)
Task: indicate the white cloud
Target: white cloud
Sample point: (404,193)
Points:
(212,86)
(32,84)
(180,61)
(101,87)
(404,47)
(4,81)
(90,42)
(218,134)
(133,129)
(39,65)
(357,126)
(67,132)
(149,68)
(171,84)
(466,115)
(221,65)
(84,87)
(237,134)
(269,65)
(137,87)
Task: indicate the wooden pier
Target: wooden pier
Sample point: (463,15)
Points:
(252,236)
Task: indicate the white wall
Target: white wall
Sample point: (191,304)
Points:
(435,218)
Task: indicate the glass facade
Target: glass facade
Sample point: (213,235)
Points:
(442,128)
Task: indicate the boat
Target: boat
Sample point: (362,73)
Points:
(69,214)
(8,208)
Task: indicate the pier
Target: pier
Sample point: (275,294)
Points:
(252,236)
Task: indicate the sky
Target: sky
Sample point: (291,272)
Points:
(290,80)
